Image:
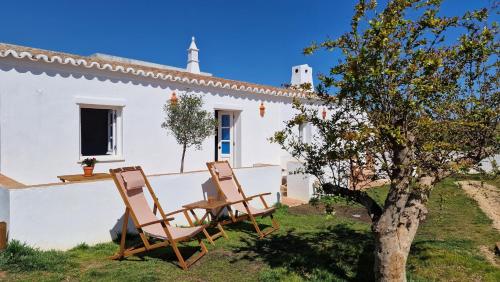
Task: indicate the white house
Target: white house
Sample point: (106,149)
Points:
(57,108)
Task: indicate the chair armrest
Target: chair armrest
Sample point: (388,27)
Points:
(176,212)
(259,195)
(156,221)
(240,201)
(248,199)
(185,212)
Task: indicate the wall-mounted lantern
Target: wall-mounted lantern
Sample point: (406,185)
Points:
(173,98)
(262,109)
(323,114)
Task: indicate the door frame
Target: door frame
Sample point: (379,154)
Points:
(220,156)
(235,159)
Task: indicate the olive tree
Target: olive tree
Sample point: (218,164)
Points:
(416,90)
(186,120)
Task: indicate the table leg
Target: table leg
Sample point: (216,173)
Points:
(195,217)
(222,230)
(188,219)
(209,238)
(219,226)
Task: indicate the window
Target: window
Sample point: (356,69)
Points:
(100,131)
(301,132)
(225,139)
(305,132)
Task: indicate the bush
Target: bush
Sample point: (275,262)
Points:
(18,257)
(81,246)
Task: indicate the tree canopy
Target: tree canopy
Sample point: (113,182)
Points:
(417,91)
(187,121)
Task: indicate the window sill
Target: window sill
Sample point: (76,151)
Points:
(104,159)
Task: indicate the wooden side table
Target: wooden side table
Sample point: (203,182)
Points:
(213,210)
(80,177)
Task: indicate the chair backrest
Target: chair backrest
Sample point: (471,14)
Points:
(225,180)
(130,182)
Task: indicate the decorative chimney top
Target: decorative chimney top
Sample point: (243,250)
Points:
(302,74)
(193,65)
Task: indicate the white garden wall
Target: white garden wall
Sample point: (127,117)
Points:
(60,216)
(299,186)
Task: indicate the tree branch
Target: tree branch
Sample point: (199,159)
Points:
(360,197)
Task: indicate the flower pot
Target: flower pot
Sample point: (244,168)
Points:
(88,171)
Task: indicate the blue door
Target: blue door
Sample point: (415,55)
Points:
(226,142)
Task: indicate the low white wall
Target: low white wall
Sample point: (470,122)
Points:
(299,186)
(62,216)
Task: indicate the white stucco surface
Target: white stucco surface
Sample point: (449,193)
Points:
(299,186)
(63,215)
(39,116)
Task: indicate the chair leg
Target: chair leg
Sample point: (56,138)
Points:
(193,258)
(275,226)
(202,245)
(254,222)
(121,252)
(185,264)
(209,238)
(275,223)
(182,263)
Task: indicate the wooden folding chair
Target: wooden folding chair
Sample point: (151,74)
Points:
(228,186)
(130,182)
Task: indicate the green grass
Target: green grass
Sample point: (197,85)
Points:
(308,247)
(447,244)
(19,257)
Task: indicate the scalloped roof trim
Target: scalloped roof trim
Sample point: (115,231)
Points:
(40,55)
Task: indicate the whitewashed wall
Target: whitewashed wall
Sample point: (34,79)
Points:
(63,215)
(299,186)
(39,122)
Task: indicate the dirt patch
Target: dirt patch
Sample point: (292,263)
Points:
(488,198)
(352,212)
(489,255)
(364,185)
(3,274)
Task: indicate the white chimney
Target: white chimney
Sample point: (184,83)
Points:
(193,65)
(302,74)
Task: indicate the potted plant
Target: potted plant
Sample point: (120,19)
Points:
(88,166)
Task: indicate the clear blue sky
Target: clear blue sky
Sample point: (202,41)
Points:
(256,41)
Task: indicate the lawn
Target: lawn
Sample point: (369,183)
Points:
(309,246)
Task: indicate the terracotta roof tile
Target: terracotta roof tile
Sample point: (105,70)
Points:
(35,54)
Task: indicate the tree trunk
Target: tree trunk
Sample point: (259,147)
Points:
(182,159)
(392,246)
(396,228)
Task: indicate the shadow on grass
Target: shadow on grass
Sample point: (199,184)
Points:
(339,252)
(246,227)
(166,254)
